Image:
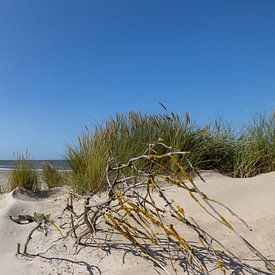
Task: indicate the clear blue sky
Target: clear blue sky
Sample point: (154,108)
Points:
(65,64)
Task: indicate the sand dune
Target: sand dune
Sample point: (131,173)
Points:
(253,199)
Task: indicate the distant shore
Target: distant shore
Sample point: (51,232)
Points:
(59,164)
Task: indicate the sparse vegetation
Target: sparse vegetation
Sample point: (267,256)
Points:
(23,175)
(51,175)
(217,146)
(3,189)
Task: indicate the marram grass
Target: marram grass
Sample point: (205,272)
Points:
(51,176)
(23,175)
(255,148)
(216,146)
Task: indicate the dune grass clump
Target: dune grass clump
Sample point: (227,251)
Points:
(3,189)
(51,176)
(88,161)
(24,175)
(123,137)
(255,148)
(216,146)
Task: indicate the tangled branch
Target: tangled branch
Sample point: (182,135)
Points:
(131,209)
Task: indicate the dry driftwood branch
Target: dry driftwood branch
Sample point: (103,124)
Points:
(29,238)
(141,220)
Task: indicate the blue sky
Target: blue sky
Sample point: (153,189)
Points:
(66,64)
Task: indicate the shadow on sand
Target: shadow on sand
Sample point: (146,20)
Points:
(231,263)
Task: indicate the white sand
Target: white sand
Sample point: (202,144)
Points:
(253,199)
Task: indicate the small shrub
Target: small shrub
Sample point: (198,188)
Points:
(23,175)
(51,175)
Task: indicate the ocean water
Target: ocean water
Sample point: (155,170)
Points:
(60,164)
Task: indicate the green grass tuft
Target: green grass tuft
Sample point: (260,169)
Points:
(215,146)
(51,176)
(23,175)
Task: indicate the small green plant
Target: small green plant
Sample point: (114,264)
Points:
(51,175)
(43,223)
(24,175)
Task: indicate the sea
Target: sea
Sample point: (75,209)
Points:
(60,164)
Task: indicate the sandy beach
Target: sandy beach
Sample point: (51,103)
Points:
(253,199)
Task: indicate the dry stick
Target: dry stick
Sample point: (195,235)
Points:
(147,232)
(191,191)
(91,227)
(179,215)
(86,218)
(268,264)
(70,208)
(18,248)
(211,238)
(73,226)
(232,213)
(152,258)
(29,238)
(146,252)
(189,253)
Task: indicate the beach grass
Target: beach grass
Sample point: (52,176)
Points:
(255,148)
(88,161)
(3,189)
(218,146)
(51,176)
(23,175)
